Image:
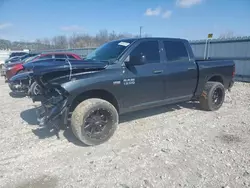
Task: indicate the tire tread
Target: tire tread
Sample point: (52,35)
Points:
(83,108)
(204,101)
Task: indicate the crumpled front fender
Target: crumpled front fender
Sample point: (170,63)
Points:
(47,113)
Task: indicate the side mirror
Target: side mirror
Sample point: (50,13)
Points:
(135,60)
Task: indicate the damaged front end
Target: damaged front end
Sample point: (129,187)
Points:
(21,82)
(48,112)
(54,106)
(55,100)
(19,87)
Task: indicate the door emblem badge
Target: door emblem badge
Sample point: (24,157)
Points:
(129,81)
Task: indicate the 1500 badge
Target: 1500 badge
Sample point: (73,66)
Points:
(129,81)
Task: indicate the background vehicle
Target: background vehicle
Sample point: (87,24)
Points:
(9,66)
(18,59)
(21,60)
(14,56)
(24,82)
(127,75)
(18,68)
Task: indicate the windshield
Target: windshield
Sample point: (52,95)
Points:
(109,51)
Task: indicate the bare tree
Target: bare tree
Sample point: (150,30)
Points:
(5,44)
(83,40)
(46,41)
(60,42)
(102,36)
(80,41)
(112,35)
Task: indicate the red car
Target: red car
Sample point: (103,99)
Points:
(17,68)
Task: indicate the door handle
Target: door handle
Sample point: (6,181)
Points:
(158,71)
(191,68)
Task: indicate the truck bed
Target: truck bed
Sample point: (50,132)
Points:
(214,70)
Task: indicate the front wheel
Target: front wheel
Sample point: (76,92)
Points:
(34,89)
(94,121)
(212,96)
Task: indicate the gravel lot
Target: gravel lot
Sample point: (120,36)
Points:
(176,146)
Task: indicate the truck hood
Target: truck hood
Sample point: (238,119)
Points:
(43,64)
(60,72)
(42,68)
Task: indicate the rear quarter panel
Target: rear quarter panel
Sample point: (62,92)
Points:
(209,69)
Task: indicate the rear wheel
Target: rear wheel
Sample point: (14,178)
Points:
(212,96)
(94,121)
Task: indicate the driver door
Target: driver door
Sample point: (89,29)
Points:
(143,84)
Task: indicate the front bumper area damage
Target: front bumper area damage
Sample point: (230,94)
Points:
(52,113)
(18,87)
(21,82)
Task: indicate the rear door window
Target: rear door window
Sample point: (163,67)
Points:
(175,51)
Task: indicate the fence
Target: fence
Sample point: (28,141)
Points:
(237,49)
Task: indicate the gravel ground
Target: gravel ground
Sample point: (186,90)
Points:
(176,146)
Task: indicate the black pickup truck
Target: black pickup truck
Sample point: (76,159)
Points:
(127,75)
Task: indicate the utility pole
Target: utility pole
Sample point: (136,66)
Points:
(140,30)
